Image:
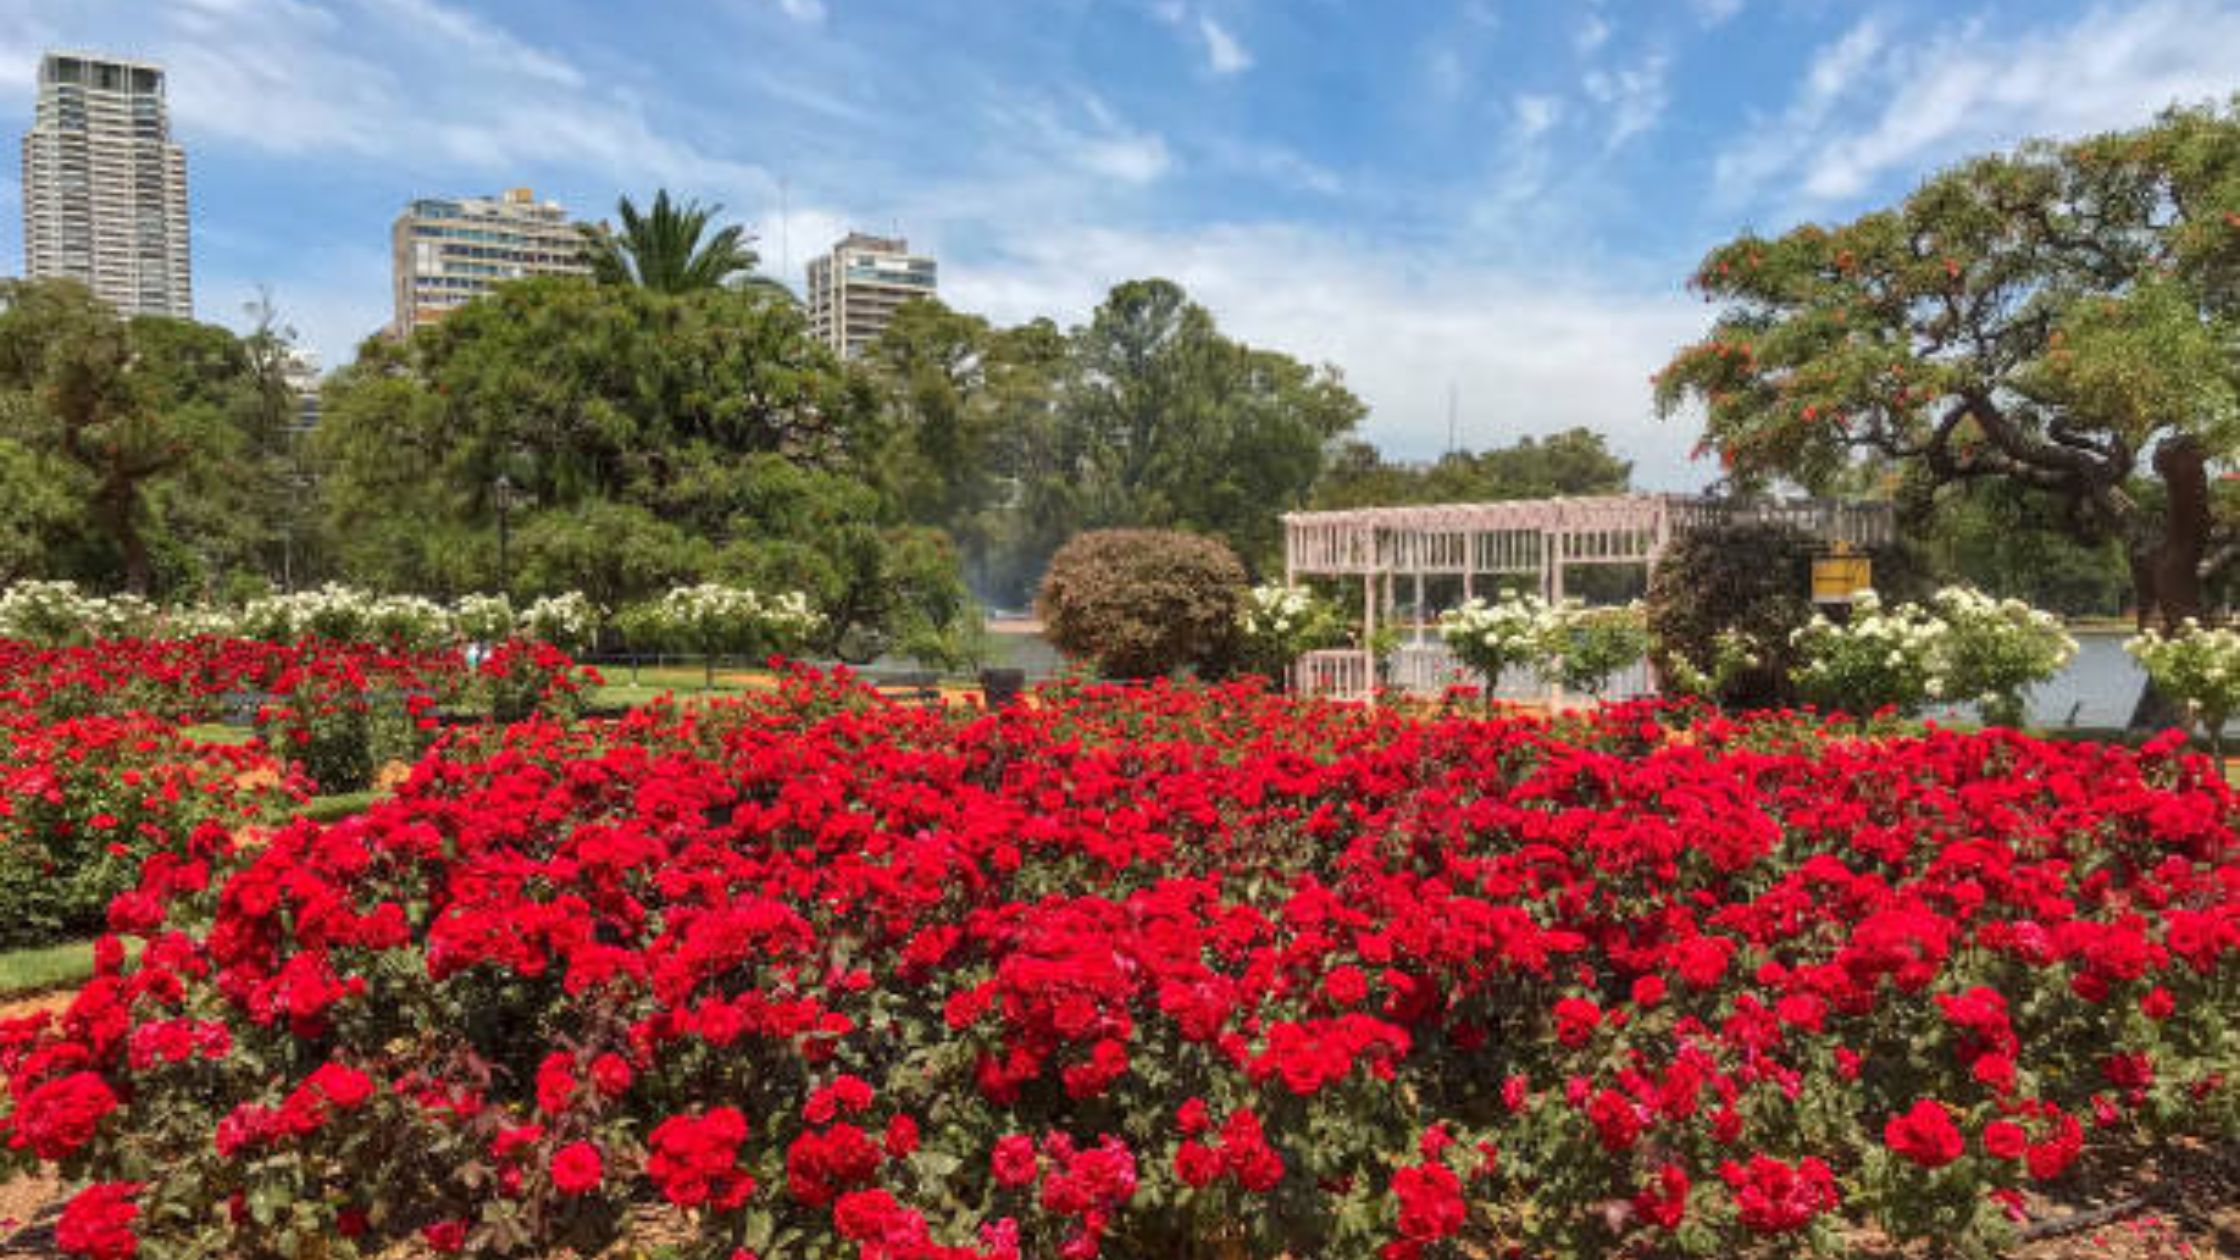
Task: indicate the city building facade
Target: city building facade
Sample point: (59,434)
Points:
(855,289)
(104,188)
(446,251)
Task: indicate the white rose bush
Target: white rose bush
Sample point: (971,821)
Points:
(1587,647)
(1277,624)
(2198,667)
(1962,646)
(1995,650)
(1494,637)
(712,620)
(1567,644)
(59,614)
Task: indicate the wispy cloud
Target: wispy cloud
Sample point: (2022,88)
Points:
(1633,97)
(1716,12)
(808,11)
(1594,32)
(1535,114)
(1872,106)
(1224,55)
(1087,136)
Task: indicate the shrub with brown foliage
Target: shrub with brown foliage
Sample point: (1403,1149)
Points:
(1143,603)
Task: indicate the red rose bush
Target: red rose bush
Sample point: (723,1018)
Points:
(1154,972)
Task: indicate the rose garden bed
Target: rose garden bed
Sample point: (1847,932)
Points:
(1156,973)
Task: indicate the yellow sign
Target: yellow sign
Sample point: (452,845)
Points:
(1840,574)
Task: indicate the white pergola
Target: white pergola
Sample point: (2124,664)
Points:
(1537,537)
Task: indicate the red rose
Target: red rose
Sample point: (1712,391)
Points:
(61,1115)
(445,1237)
(1197,1164)
(1926,1135)
(577,1168)
(97,1222)
(1014,1163)
(694,1160)
(1773,1198)
(556,1081)
(345,1087)
(901,1137)
(611,1075)
(1648,991)
(1431,1205)
(1666,1202)
(2004,1139)
(1617,1122)
(1576,1019)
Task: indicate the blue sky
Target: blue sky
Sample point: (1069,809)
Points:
(1492,197)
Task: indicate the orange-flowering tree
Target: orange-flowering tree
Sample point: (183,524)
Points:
(2063,317)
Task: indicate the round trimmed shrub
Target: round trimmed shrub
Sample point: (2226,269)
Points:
(1143,603)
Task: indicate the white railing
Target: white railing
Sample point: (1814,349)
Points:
(1429,669)
(1333,674)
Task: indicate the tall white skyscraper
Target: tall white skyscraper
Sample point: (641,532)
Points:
(855,289)
(104,189)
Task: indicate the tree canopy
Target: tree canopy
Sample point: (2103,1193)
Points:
(144,447)
(2060,319)
(1573,462)
(644,438)
(1147,416)
(662,248)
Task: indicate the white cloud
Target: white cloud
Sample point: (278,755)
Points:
(423,88)
(1527,352)
(1871,108)
(1273,163)
(1094,139)
(462,28)
(809,11)
(1634,97)
(1716,12)
(1594,32)
(1535,114)
(1224,55)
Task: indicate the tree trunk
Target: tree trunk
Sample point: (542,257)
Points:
(117,503)
(2166,570)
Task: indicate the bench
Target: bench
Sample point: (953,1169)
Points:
(913,688)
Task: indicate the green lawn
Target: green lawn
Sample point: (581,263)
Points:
(220,733)
(28,971)
(45,968)
(341,805)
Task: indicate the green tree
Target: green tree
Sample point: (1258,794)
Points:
(973,427)
(1991,535)
(1575,461)
(40,513)
(1165,422)
(648,439)
(662,249)
(152,417)
(2060,319)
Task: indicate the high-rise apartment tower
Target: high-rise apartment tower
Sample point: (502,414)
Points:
(445,251)
(854,290)
(104,189)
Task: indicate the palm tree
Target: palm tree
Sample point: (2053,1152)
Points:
(662,249)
